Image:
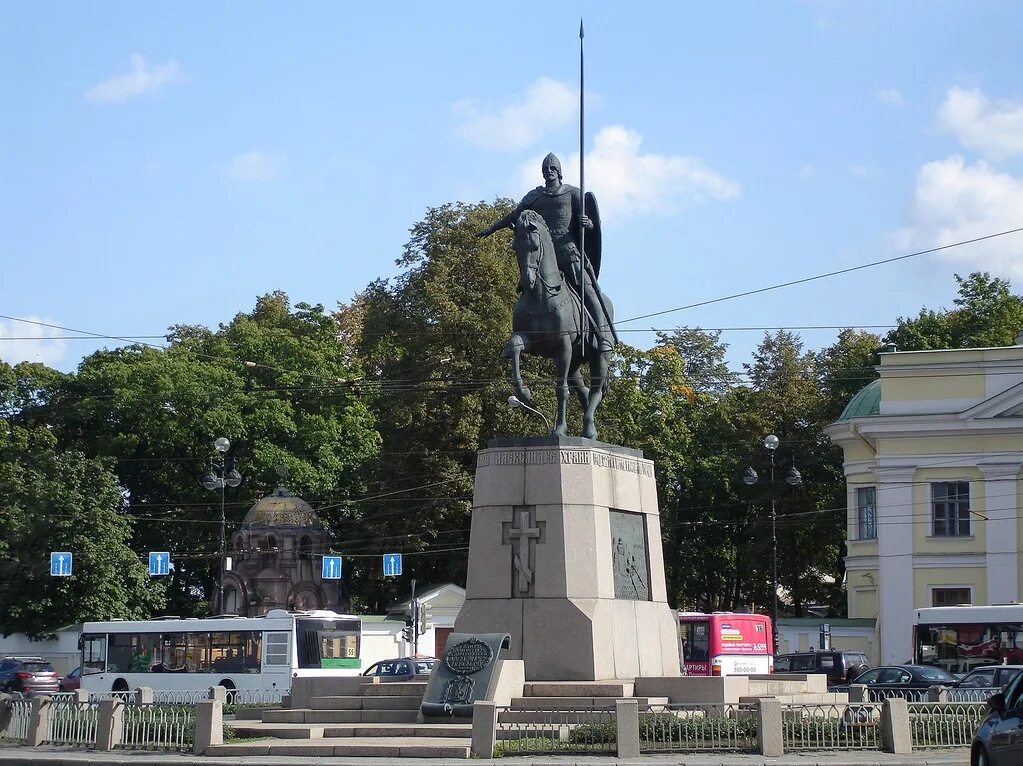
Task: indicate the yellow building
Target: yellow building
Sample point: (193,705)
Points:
(933,451)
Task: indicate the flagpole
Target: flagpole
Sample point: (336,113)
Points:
(582,197)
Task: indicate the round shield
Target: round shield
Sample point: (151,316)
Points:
(592,242)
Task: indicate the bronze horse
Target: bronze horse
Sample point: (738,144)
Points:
(546,322)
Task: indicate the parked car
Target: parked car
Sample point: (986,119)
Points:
(997,741)
(402,667)
(28,675)
(72,681)
(840,665)
(982,682)
(909,681)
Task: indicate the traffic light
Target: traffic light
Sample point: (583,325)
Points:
(406,633)
(424,614)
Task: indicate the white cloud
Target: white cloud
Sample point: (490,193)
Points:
(257,166)
(954,201)
(628,182)
(141,80)
(993,128)
(41,346)
(546,105)
(889,96)
(807,171)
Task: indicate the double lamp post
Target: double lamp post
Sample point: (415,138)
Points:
(222,474)
(792,478)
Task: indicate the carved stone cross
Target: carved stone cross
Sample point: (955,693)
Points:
(523,539)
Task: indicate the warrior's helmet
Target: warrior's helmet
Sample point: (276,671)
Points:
(550,161)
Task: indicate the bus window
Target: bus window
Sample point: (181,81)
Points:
(328,645)
(94,654)
(697,641)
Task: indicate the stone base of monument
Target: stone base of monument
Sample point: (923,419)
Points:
(565,557)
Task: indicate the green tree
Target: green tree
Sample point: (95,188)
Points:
(431,340)
(54,500)
(278,382)
(986,314)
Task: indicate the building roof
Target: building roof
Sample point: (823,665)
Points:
(867,401)
(281,509)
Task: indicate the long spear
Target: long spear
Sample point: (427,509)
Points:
(582,198)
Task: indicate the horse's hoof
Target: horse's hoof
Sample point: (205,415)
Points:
(560,431)
(590,433)
(526,396)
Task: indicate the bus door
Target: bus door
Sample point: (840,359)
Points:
(277,656)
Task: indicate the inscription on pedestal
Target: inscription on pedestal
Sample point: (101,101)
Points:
(629,556)
(565,457)
(523,533)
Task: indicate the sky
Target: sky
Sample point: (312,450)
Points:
(166,163)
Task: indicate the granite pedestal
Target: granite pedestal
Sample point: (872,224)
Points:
(565,556)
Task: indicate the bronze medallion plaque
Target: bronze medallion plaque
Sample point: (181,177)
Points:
(468,657)
(629,556)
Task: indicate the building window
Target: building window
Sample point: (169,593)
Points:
(950,596)
(866,513)
(950,508)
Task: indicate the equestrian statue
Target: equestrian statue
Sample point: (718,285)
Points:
(561,312)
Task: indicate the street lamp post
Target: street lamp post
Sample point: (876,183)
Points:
(221,475)
(793,478)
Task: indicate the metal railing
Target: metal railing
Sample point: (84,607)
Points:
(971,693)
(71,722)
(128,698)
(158,727)
(254,697)
(838,726)
(696,727)
(549,732)
(17,727)
(910,695)
(945,724)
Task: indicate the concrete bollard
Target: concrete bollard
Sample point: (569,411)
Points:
(109,724)
(217,694)
(627,724)
(770,737)
(896,736)
(209,724)
(484,728)
(858,693)
(144,696)
(39,722)
(81,696)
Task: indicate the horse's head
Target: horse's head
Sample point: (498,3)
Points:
(534,247)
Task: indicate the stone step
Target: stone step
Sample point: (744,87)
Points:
(340,716)
(579,689)
(395,689)
(332,731)
(575,703)
(352,747)
(365,703)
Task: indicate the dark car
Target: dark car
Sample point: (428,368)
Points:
(982,682)
(840,665)
(72,681)
(999,738)
(28,675)
(909,681)
(403,667)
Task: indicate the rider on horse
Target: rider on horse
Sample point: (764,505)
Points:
(561,207)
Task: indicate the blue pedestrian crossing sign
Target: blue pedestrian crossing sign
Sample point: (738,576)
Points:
(159,563)
(392,564)
(331,568)
(61,563)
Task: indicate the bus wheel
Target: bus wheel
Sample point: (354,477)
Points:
(120,685)
(228,684)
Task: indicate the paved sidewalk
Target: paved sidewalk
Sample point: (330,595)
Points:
(55,756)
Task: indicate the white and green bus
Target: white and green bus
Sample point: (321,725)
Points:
(260,655)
